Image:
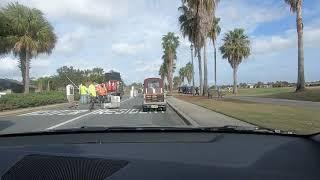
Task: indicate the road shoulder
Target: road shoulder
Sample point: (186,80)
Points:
(199,116)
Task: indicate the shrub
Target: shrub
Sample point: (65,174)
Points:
(14,101)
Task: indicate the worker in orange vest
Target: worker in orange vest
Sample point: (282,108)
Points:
(102,93)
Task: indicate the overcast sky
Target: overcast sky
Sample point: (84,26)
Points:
(125,35)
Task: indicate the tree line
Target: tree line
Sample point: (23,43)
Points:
(65,74)
(198,23)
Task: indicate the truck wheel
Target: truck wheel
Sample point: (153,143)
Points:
(144,109)
(164,108)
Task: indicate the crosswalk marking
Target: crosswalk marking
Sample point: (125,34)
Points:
(97,112)
(54,112)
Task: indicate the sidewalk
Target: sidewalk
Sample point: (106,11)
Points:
(200,117)
(285,102)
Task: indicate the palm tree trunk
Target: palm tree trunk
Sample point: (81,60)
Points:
(200,72)
(48,85)
(170,74)
(205,69)
(235,79)
(27,78)
(22,65)
(192,70)
(301,80)
(215,65)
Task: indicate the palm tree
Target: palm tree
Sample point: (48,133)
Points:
(30,34)
(170,43)
(176,82)
(182,74)
(163,71)
(296,7)
(213,34)
(235,48)
(203,12)
(188,27)
(188,72)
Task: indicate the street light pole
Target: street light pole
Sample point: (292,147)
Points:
(191,48)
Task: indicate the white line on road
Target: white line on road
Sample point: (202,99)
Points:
(76,118)
(69,121)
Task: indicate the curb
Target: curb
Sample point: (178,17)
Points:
(187,119)
(23,110)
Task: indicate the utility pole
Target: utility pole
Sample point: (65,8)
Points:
(191,48)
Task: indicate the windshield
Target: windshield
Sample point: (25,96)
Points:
(153,84)
(159,63)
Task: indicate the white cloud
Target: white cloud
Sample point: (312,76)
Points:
(149,66)
(72,41)
(278,43)
(127,49)
(9,68)
(41,63)
(245,14)
(93,12)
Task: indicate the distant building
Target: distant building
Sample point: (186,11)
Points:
(249,85)
(316,83)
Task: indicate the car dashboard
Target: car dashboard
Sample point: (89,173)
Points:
(151,155)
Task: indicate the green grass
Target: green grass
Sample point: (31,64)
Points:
(298,120)
(310,94)
(262,91)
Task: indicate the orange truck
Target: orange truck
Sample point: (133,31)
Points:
(153,95)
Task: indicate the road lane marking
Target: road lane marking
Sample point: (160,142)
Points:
(69,121)
(54,112)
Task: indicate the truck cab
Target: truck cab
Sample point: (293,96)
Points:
(153,95)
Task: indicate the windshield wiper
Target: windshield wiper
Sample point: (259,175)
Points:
(227,129)
(102,129)
(230,128)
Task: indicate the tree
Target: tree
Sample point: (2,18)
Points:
(30,34)
(296,7)
(176,82)
(170,43)
(182,74)
(188,72)
(213,34)
(188,27)
(203,12)
(163,71)
(235,48)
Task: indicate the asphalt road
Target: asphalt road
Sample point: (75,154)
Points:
(129,114)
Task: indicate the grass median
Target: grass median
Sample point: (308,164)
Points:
(310,93)
(298,120)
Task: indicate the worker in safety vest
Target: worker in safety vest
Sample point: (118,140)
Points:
(83,94)
(92,91)
(102,92)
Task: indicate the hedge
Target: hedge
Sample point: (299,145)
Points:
(15,101)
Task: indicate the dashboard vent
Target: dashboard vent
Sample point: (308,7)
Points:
(60,167)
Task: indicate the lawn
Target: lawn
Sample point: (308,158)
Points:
(310,94)
(298,120)
(263,91)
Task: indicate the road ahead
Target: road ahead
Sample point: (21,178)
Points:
(129,114)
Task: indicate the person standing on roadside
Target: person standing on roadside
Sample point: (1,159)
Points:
(83,94)
(70,95)
(92,94)
(102,92)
